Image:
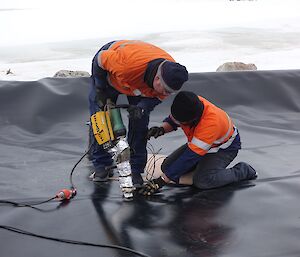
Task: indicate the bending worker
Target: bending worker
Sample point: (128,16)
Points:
(147,75)
(212,144)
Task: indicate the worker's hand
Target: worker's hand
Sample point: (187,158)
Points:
(155,132)
(135,112)
(101,97)
(152,186)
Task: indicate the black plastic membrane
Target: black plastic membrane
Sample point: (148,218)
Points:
(43,134)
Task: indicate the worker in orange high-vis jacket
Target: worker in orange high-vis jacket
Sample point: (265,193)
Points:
(147,75)
(212,144)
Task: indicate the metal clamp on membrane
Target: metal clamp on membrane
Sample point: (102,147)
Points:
(110,132)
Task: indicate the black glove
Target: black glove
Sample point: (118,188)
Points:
(155,132)
(152,186)
(135,112)
(101,97)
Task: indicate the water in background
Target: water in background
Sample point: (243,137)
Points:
(39,37)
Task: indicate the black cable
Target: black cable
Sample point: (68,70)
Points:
(26,204)
(68,241)
(151,163)
(150,147)
(62,204)
(73,169)
(150,166)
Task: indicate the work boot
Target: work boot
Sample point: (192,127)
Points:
(137,180)
(102,174)
(243,171)
(252,174)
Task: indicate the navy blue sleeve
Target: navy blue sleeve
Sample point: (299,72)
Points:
(148,104)
(185,162)
(101,82)
(99,75)
(171,122)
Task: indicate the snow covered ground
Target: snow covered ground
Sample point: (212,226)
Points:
(39,38)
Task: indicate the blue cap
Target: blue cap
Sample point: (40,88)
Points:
(172,75)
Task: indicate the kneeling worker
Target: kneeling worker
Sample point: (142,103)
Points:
(212,144)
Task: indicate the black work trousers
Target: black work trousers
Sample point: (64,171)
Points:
(211,171)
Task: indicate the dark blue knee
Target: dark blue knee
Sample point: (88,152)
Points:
(205,181)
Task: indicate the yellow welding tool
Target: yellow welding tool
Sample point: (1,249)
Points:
(102,128)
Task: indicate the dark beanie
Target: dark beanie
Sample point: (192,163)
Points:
(186,107)
(173,75)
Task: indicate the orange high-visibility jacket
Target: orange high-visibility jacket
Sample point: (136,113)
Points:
(126,62)
(214,131)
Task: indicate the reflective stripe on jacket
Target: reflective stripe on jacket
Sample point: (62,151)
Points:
(214,131)
(126,62)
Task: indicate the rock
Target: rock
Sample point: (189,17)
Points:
(70,74)
(236,66)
